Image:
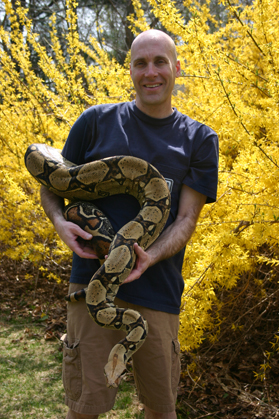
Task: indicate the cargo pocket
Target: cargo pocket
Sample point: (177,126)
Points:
(71,369)
(175,365)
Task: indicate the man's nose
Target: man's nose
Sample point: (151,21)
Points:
(151,70)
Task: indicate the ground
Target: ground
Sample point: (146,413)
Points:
(235,377)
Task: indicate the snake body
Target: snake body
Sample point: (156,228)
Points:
(90,181)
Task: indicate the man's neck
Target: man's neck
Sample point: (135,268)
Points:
(155,111)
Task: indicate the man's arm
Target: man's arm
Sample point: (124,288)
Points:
(67,231)
(175,237)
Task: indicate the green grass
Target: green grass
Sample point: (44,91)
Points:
(30,377)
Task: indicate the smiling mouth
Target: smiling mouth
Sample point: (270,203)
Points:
(152,86)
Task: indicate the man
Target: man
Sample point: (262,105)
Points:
(186,153)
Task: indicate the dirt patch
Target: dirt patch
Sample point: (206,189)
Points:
(26,293)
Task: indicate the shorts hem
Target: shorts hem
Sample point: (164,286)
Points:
(87,409)
(160,408)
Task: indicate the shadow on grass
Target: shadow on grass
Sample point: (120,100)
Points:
(30,372)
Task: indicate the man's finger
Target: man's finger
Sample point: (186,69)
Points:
(81,233)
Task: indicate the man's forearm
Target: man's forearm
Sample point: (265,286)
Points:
(172,240)
(52,204)
(177,235)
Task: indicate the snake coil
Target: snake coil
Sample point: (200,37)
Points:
(91,181)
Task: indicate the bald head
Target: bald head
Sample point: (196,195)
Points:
(153,69)
(157,36)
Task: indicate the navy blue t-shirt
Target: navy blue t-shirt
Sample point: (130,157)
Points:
(183,150)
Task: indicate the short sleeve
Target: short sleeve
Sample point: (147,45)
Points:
(80,138)
(202,175)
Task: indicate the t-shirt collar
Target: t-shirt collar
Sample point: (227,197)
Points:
(149,119)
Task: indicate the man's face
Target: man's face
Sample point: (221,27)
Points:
(153,70)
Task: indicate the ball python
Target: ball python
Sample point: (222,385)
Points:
(91,181)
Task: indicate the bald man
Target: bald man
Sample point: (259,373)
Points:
(186,154)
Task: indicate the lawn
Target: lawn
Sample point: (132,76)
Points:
(30,376)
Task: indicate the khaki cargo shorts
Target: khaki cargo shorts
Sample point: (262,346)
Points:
(156,365)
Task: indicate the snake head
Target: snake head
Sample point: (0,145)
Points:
(114,371)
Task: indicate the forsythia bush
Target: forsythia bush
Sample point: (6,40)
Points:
(229,81)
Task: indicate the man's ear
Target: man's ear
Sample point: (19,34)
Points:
(178,69)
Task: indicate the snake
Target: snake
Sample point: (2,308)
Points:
(82,184)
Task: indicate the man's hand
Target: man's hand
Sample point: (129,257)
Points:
(142,263)
(71,234)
